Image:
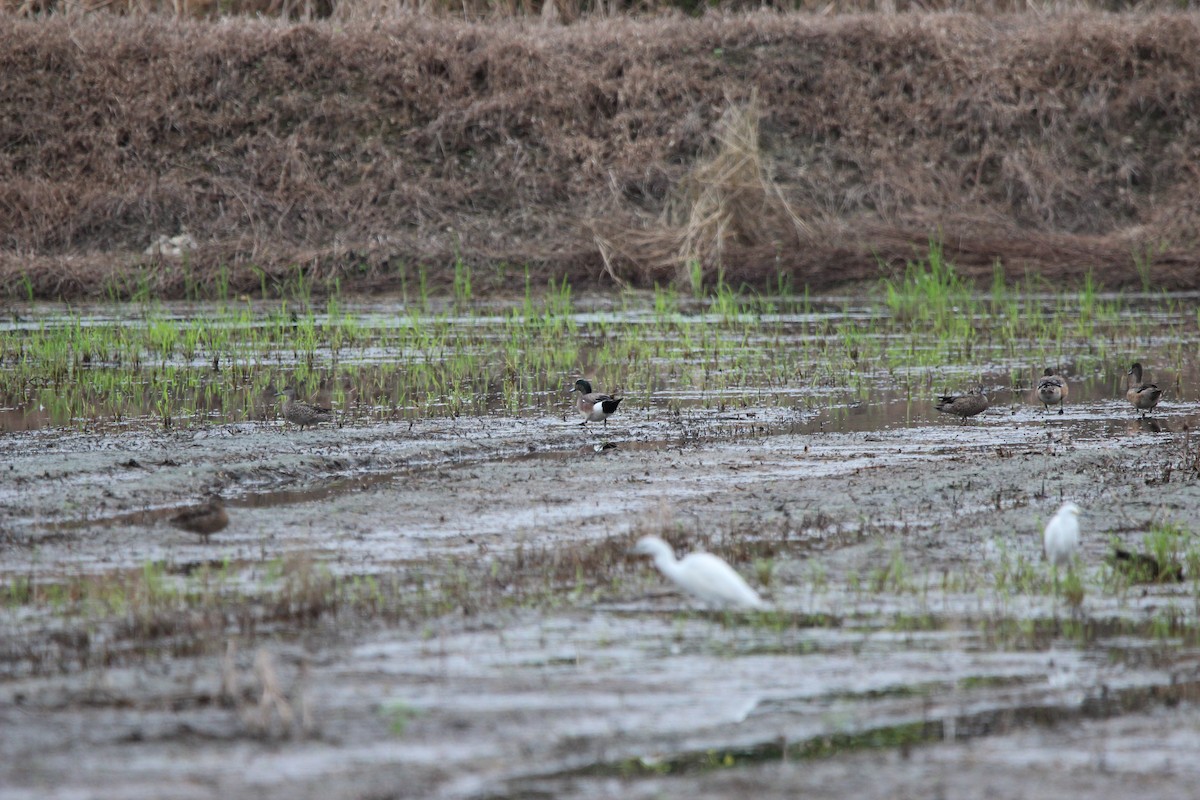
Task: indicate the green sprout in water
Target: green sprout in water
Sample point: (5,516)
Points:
(399,714)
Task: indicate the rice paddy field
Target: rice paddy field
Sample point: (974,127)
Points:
(432,595)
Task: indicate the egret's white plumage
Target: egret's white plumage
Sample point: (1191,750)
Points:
(1061,539)
(702,575)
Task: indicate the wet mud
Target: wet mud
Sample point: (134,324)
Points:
(916,644)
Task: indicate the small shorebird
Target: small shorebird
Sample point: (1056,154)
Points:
(205,520)
(1060,541)
(302,413)
(1052,389)
(963,405)
(1144,396)
(595,406)
(702,575)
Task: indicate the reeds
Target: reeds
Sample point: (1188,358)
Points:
(222,362)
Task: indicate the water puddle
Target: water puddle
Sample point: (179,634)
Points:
(898,736)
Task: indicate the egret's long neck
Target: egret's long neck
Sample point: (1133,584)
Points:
(664,559)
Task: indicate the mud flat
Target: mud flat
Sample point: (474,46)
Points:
(445,609)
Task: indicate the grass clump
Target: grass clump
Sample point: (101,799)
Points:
(932,294)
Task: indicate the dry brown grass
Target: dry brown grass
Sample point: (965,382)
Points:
(1056,143)
(548,11)
(727,200)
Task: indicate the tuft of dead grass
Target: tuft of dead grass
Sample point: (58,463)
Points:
(728,199)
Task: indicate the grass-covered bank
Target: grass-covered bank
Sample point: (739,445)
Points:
(620,148)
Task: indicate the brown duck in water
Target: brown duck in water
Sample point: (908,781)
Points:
(963,405)
(205,519)
(1142,568)
(1052,390)
(302,413)
(1144,396)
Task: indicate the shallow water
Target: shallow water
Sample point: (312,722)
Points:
(476,629)
(189,365)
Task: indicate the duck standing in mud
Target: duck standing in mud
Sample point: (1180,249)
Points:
(204,520)
(1144,396)
(595,406)
(1052,390)
(963,405)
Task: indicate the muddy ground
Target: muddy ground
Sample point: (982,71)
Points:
(893,665)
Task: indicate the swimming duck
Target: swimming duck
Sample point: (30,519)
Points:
(205,519)
(1144,396)
(964,405)
(1052,389)
(704,576)
(302,413)
(595,406)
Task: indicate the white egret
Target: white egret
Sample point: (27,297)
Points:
(702,575)
(1060,542)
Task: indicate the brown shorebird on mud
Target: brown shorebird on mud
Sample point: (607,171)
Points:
(205,519)
(301,412)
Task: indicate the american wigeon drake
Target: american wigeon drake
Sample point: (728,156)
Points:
(595,406)
(1144,396)
(205,519)
(963,405)
(302,413)
(1052,390)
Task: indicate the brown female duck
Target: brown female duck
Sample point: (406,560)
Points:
(963,405)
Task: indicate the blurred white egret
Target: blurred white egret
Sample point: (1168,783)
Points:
(1061,539)
(701,575)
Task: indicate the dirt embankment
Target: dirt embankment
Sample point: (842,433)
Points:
(601,150)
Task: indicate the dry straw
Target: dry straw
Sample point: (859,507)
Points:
(756,144)
(727,200)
